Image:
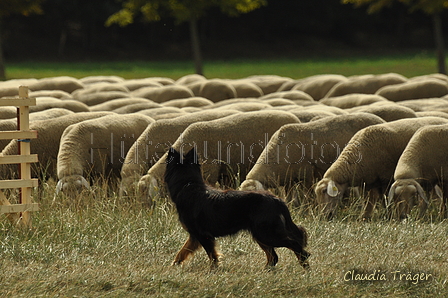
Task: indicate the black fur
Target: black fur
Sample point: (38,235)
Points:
(206,213)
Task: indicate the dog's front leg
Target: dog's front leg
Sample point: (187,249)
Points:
(190,246)
(209,245)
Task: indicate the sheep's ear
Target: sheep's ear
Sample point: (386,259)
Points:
(59,186)
(421,192)
(85,183)
(332,189)
(391,194)
(439,191)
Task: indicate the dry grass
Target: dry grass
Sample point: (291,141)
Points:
(100,246)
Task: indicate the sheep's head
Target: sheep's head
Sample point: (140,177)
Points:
(72,185)
(328,195)
(148,189)
(251,185)
(404,194)
(129,185)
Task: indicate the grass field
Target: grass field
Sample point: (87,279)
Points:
(407,64)
(101,246)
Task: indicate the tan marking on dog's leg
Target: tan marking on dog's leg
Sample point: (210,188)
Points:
(271,256)
(190,246)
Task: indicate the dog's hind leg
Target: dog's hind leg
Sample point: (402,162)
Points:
(190,246)
(271,255)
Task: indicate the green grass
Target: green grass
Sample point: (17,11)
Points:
(101,246)
(407,64)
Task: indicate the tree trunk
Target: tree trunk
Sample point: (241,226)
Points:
(2,60)
(195,46)
(440,47)
(62,42)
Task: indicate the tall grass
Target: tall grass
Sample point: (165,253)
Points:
(98,245)
(408,64)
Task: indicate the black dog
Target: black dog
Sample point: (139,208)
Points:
(207,213)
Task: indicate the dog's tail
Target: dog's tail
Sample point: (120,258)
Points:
(297,232)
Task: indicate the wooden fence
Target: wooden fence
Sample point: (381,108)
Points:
(19,213)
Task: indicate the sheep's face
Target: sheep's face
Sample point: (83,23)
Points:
(128,186)
(148,189)
(251,185)
(72,185)
(328,195)
(405,194)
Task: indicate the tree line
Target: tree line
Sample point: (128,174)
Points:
(220,29)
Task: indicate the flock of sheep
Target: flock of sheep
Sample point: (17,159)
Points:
(384,135)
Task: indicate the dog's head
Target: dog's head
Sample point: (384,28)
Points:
(175,157)
(179,167)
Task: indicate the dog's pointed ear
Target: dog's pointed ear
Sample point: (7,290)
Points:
(173,155)
(191,156)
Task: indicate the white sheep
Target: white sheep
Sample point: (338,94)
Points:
(10,88)
(64,83)
(432,114)
(190,79)
(352,100)
(163,112)
(139,106)
(414,89)
(245,88)
(368,84)
(96,98)
(96,148)
(196,101)
(303,152)
(135,84)
(426,104)
(98,88)
(46,146)
(164,93)
(113,104)
(50,93)
(229,146)
(101,79)
(422,166)
(214,89)
(68,104)
(318,86)
(389,111)
(230,101)
(368,161)
(154,142)
(269,83)
(245,106)
(296,95)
